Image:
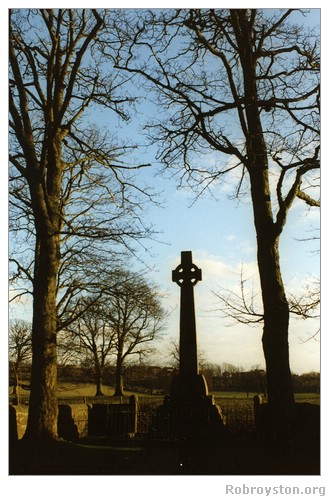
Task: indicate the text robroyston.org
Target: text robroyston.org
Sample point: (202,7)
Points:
(274,490)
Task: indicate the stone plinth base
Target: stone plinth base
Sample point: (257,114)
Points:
(193,418)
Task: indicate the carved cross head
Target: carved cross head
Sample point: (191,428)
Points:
(186,273)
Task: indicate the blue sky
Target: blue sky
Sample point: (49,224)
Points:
(221,234)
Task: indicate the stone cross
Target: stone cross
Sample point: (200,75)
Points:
(189,412)
(187,275)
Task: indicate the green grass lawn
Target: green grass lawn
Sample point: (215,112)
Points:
(69,390)
(242,395)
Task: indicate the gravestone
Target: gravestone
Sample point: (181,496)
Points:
(189,411)
(114,420)
(72,421)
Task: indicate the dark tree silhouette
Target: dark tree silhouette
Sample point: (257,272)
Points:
(239,94)
(70,186)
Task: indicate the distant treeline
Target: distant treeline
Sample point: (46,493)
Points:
(156,379)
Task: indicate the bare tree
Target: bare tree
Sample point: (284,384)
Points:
(240,94)
(69,179)
(20,349)
(306,304)
(89,337)
(134,315)
(244,305)
(122,322)
(174,353)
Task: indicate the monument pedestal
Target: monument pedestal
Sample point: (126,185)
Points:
(189,418)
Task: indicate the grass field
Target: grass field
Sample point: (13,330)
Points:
(80,390)
(67,390)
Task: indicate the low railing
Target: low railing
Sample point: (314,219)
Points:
(128,417)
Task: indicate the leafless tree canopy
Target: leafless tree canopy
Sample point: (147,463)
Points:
(20,341)
(194,60)
(123,322)
(58,80)
(239,90)
(243,305)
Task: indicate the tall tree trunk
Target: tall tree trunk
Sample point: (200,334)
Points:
(276,309)
(118,376)
(42,418)
(98,379)
(276,328)
(99,386)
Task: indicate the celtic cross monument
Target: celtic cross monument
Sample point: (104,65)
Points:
(189,382)
(188,412)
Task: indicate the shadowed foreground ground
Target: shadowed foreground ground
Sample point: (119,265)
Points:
(233,456)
